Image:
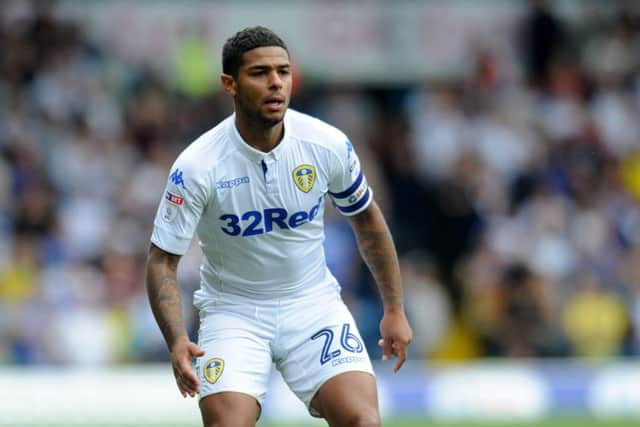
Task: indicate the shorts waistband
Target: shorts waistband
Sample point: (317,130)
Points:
(208,299)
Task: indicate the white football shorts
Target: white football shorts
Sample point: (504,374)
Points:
(310,339)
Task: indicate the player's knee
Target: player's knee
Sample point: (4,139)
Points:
(228,422)
(229,409)
(220,421)
(364,419)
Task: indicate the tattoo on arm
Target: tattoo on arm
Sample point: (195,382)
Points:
(379,253)
(164,293)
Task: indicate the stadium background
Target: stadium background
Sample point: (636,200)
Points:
(502,141)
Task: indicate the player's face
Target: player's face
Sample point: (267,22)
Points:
(262,89)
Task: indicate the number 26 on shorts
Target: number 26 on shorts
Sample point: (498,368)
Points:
(348,341)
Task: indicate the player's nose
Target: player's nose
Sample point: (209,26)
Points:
(275,81)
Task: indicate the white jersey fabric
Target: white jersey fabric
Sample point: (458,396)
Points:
(259,216)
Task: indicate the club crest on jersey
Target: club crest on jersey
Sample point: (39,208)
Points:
(304,176)
(213,369)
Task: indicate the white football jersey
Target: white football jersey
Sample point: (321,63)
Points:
(259,216)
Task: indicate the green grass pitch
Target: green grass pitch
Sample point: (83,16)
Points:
(548,422)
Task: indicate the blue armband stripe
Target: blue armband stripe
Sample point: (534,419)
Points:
(357,206)
(348,191)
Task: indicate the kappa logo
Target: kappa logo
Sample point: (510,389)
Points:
(304,176)
(176,178)
(349,149)
(231,183)
(213,369)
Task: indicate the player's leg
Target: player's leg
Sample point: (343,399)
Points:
(229,409)
(349,400)
(325,362)
(234,372)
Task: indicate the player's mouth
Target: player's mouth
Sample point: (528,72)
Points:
(275,103)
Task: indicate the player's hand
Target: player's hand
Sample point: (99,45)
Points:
(182,353)
(396,336)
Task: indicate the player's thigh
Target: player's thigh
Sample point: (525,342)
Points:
(321,342)
(348,399)
(229,409)
(234,372)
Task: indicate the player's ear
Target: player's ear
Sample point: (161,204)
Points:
(228,84)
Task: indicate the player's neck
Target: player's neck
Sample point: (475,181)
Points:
(258,136)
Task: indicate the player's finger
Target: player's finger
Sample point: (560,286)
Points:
(178,373)
(193,384)
(186,387)
(196,351)
(181,387)
(186,391)
(401,352)
(190,380)
(385,343)
(183,371)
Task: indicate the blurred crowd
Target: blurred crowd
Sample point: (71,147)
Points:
(513,195)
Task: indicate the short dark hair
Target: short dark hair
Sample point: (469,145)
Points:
(244,41)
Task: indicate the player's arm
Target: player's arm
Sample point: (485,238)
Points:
(166,304)
(378,252)
(164,294)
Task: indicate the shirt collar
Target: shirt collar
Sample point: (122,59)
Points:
(257,155)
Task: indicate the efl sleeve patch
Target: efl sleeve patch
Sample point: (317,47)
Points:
(179,211)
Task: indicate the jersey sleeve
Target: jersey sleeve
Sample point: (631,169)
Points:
(348,186)
(180,209)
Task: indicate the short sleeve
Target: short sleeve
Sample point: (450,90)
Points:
(180,209)
(348,186)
